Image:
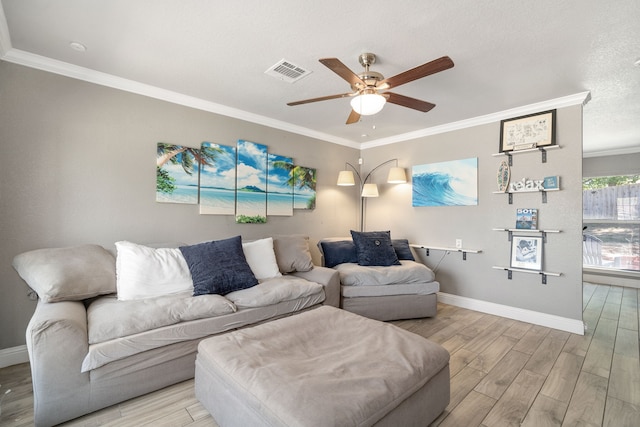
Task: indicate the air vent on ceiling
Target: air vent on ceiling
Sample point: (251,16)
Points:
(287,71)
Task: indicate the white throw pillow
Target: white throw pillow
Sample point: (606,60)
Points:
(261,258)
(144,272)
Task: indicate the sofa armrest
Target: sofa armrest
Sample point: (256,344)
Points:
(57,342)
(327,277)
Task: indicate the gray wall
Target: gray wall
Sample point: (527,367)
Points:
(78,166)
(440,226)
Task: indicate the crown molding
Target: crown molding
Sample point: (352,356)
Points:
(16,56)
(92,76)
(581,98)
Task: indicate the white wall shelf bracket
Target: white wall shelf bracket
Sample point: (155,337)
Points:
(510,232)
(541,150)
(446,249)
(543,274)
(511,193)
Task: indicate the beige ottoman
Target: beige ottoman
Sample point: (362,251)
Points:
(323,367)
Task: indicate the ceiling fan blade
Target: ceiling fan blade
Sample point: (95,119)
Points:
(335,65)
(405,101)
(353,117)
(419,72)
(322,98)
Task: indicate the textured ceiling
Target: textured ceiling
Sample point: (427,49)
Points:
(510,57)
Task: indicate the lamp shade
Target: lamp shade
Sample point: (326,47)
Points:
(370,190)
(396,176)
(346,178)
(368,104)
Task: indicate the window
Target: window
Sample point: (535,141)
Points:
(611,216)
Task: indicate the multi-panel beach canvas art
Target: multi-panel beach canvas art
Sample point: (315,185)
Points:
(251,182)
(279,185)
(245,181)
(177,173)
(304,193)
(218,180)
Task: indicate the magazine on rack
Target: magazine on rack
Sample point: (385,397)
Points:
(527,219)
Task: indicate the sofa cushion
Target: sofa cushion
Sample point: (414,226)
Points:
(145,272)
(407,272)
(62,274)
(403,250)
(374,248)
(218,267)
(109,318)
(273,291)
(391,290)
(261,258)
(292,253)
(338,252)
(117,349)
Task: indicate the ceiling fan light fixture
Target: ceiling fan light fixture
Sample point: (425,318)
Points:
(368,104)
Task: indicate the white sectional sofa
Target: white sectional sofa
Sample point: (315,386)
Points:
(107,329)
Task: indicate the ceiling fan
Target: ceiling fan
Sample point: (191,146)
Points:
(370,88)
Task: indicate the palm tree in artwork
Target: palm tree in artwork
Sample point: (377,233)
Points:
(299,176)
(206,155)
(304,177)
(287,166)
(187,157)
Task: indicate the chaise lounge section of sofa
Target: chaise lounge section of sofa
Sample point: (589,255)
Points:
(380,278)
(89,348)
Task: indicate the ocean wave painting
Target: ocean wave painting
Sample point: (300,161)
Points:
(453,183)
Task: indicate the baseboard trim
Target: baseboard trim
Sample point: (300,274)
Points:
(13,356)
(529,316)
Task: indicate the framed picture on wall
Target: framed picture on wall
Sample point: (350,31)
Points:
(526,252)
(530,131)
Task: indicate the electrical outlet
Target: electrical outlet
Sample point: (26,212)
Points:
(458,243)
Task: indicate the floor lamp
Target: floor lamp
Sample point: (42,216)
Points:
(346,178)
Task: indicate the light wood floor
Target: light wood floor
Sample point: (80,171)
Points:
(503,373)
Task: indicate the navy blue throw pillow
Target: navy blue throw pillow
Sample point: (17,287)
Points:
(339,252)
(218,267)
(374,248)
(403,250)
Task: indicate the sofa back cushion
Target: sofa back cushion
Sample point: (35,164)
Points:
(403,250)
(337,252)
(340,250)
(145,272)
(374,248)
(68,274)
(261,258)
(292,253)
(218,267)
